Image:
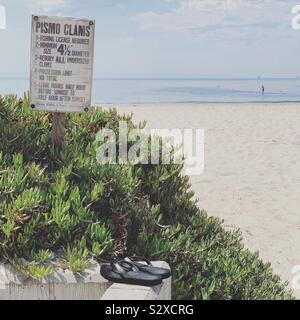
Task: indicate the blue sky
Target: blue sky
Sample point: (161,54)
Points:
(168,38)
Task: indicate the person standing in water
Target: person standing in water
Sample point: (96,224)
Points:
(262,89)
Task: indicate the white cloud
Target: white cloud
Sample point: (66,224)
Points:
(47,5)
(220,18)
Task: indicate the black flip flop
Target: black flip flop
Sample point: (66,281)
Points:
(127,273)
(148,267)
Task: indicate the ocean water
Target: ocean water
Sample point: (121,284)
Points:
(118,91)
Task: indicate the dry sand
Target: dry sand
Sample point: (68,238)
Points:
(252,171)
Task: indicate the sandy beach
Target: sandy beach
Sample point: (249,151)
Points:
(252,176)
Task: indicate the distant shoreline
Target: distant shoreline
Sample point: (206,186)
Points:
(180,91)
(192,103)
(169,79)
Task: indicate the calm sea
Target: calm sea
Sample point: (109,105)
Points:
(179,91)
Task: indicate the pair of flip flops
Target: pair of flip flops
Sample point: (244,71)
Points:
(134,270)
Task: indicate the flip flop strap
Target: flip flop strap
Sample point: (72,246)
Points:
(102,260)
(132,267)
(137,258)
(118,268)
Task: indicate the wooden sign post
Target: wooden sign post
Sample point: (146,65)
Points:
(62,55)
(58,130)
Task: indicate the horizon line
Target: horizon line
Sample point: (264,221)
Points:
(173,78)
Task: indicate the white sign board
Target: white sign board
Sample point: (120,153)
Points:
(62,54)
